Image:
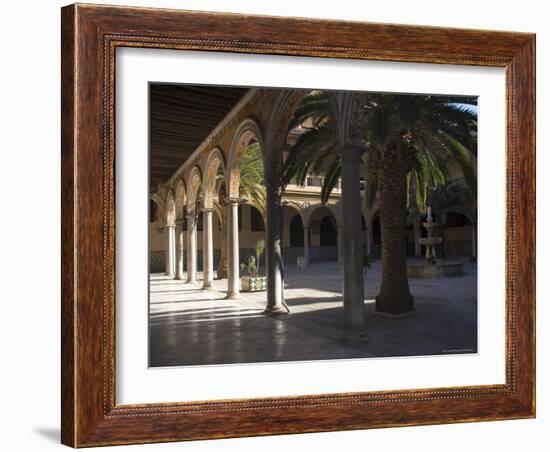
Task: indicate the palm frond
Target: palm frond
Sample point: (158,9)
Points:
(331,180)
(464,159)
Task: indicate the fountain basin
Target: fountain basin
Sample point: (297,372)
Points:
(438,269)
(430,240)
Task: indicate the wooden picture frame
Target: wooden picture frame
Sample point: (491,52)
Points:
(90,36)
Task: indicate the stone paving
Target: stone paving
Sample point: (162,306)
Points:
(191,326)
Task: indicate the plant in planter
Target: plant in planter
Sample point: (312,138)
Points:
(254,282)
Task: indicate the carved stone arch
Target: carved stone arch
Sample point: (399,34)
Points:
(193,186)
(181,200)
(246,131)
(220,211)
(284,104)
(170,212)
(214,162)
(297,207)
(160,202)
(159,217)
(348,116)
(333,208)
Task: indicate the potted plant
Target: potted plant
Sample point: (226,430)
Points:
(254,282)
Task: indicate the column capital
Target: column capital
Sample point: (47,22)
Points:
(190,216)
(232,200)
(170,226)
(207,210)
(180,222)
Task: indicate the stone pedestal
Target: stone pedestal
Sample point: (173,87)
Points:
(437,269)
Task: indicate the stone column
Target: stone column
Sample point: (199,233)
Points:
(179,249)
(191,247)
(166,250)
(274,257)
(306,245)
(474,241)
(207,249)
(339,238)
(233,280)
(170,251)
(354,303)
(417,230)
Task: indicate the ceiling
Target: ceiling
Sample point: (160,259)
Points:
(181,117)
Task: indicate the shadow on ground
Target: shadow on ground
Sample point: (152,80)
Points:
(191,327)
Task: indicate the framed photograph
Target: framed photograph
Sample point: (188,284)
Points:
(281,225)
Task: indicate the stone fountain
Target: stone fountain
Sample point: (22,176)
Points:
(433,267)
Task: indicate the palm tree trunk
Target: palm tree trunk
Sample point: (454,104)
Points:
(394,297)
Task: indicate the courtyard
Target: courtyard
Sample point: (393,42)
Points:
(319,198)
(192,326)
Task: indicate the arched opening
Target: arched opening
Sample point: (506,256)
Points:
(323,229)
(194,187)
(180,200)
(213,178)
(245,182)
(157,239)
(291,243)
(457,235)
(170,219)
(194,191)
(296,231)
(246,176)
(257,223)
(328,231)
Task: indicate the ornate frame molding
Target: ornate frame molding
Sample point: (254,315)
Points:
(90,36)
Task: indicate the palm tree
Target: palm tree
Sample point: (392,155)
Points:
(410,140)
(251,189)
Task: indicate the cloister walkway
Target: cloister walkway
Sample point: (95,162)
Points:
(192,326)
